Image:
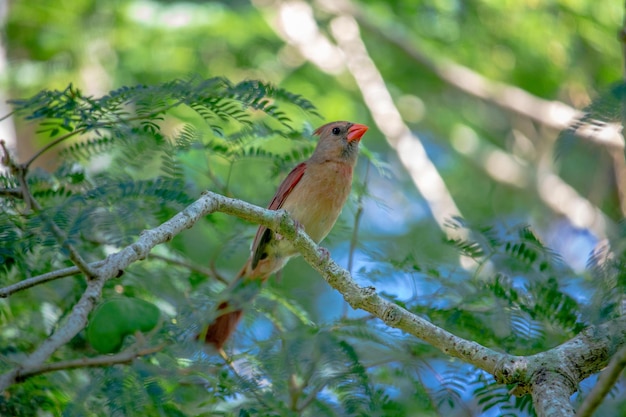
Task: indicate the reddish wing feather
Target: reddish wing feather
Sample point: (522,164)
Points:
(288,184)
(284,190)
(224,325)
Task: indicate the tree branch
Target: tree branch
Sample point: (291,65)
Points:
(605,382)
(579,357)
(617,155)
(574,360)
(40,279)
(554,114)
(73,270)
(111,267)
(52,144)
(280,221)
(125,356)
(11,192)
(566,201)
(364,298)
(74,323)
(189,265)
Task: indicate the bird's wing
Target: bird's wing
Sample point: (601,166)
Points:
(264,235)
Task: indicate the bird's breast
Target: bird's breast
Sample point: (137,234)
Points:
(319,196)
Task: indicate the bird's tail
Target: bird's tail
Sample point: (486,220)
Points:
(240,292)
(223,326)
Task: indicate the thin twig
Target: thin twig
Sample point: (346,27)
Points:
(429,392)
(306,381)
(209,272)
(6,159)
(11,192)
(218,183)
(126,356)
(6,116)
(294,391)
(52,144)
(293,388)
(311,397)
(442,385)
(95,126)
(357,219)
(43,278)
(74,255)
(229,361)
(20,173)
(619,175)
(355,229)
(21,179)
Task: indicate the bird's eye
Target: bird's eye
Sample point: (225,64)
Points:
(336,130)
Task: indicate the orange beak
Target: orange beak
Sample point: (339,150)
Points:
(356,131)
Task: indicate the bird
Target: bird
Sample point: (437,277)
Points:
(313,194)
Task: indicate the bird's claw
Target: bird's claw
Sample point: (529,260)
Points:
(325,253)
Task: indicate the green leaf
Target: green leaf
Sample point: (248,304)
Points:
(117,318)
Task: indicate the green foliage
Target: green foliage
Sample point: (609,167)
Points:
(142,182)
(31,397)
(491,395)
(522,285)
(216,100)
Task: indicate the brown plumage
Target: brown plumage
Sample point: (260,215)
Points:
(313,193)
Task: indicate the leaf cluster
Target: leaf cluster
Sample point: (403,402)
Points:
(122,169)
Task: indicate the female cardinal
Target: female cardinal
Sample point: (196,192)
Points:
(313,193)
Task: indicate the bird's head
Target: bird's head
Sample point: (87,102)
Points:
(338,141)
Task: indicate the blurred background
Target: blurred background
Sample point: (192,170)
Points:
(484,86)
(478,110)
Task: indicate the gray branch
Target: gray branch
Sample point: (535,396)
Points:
(43,278)
(123,357)
(549,376)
